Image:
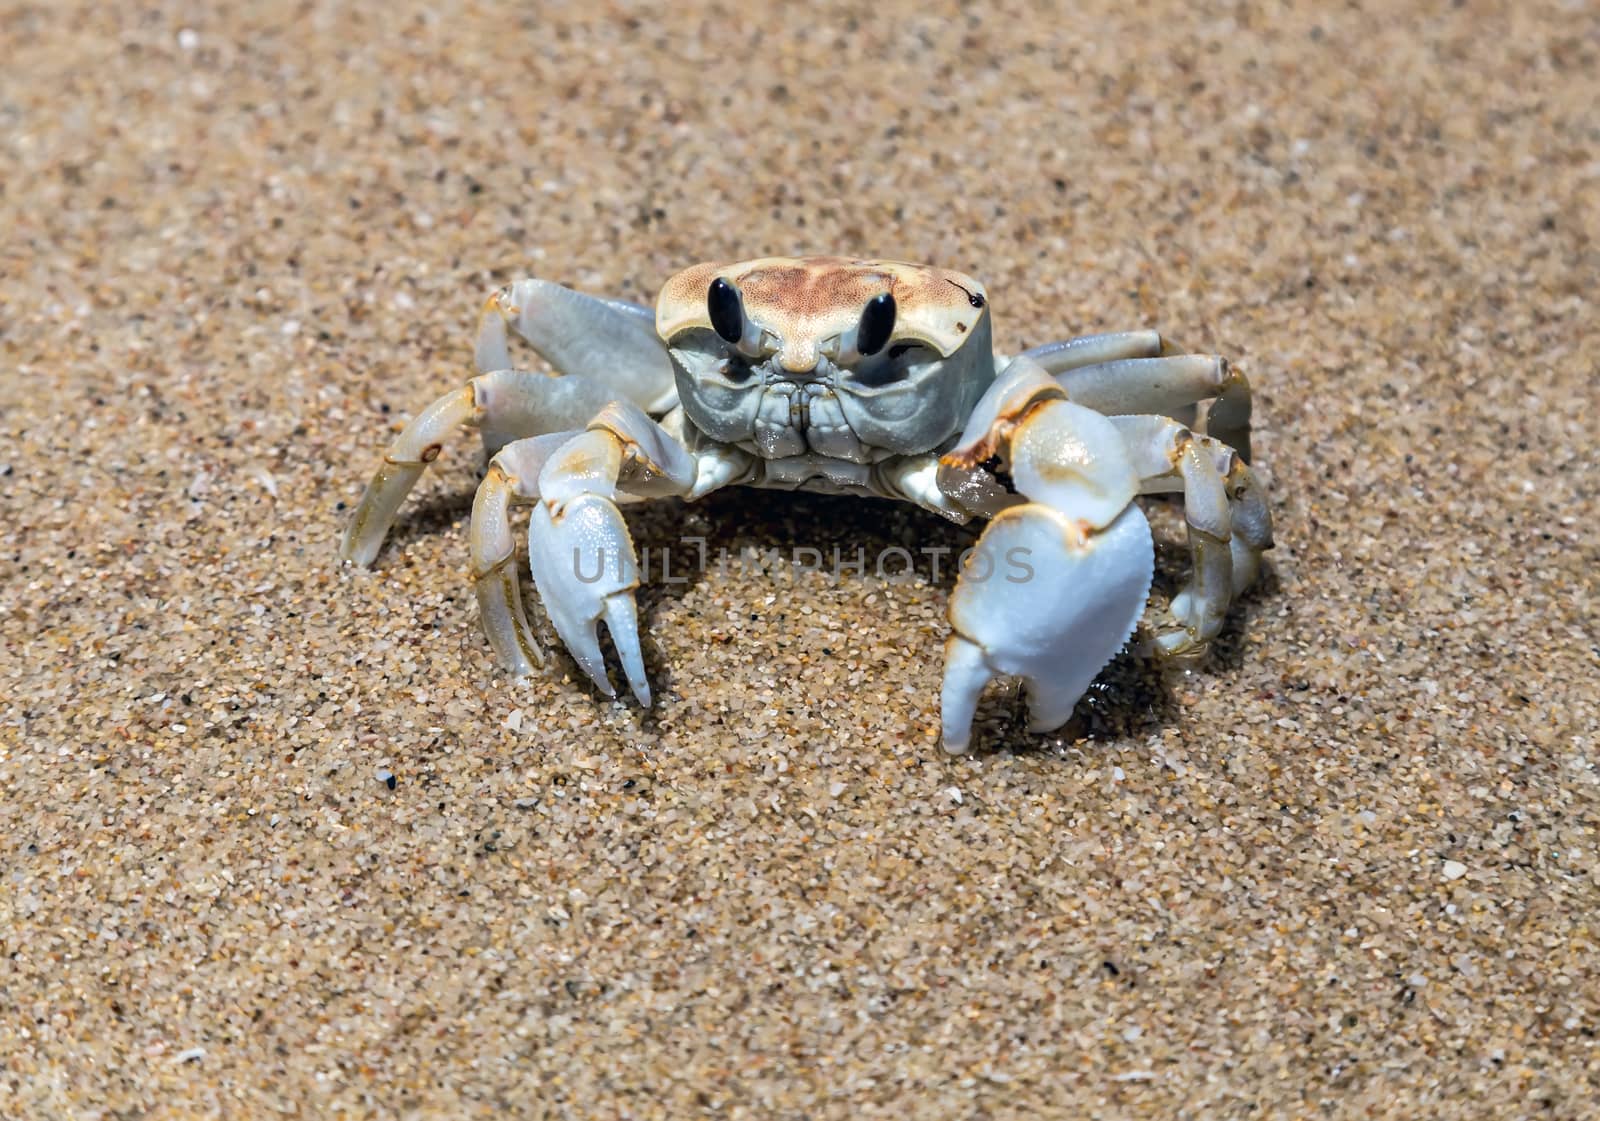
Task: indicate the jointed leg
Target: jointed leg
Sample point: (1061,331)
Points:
(1137,372)
(610,340)
(578,547)
(605,350)
(1229,526)
(511,480)
(1092,350)
(502,404)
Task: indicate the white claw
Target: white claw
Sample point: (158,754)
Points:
(583,564)
(622,620)
(1046,600)
(1055,586)
(965,675)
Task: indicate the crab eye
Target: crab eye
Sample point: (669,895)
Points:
(727,311)
(877,324)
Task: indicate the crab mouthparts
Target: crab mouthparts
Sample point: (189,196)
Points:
(795,419)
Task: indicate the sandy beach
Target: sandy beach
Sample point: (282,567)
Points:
(279,840)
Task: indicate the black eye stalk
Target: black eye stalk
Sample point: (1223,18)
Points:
(727,311)
(877,324)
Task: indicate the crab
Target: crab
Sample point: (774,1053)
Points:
(847,376)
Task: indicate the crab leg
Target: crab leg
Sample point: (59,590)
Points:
(603,350)
(1055,585)
(610,340)
(578,547)
(1166,385)
(1092,350)
(511,480)
(1229,525)
(1139,372)
(504,405)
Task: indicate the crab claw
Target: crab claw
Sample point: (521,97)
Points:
(1056,585)
(578,545)
(1045,601)
(583,564)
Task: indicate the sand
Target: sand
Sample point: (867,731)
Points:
(1349,866)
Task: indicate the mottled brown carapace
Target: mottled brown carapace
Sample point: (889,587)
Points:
(806,300)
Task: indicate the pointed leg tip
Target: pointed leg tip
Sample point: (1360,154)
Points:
(515,666)
(354,553)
